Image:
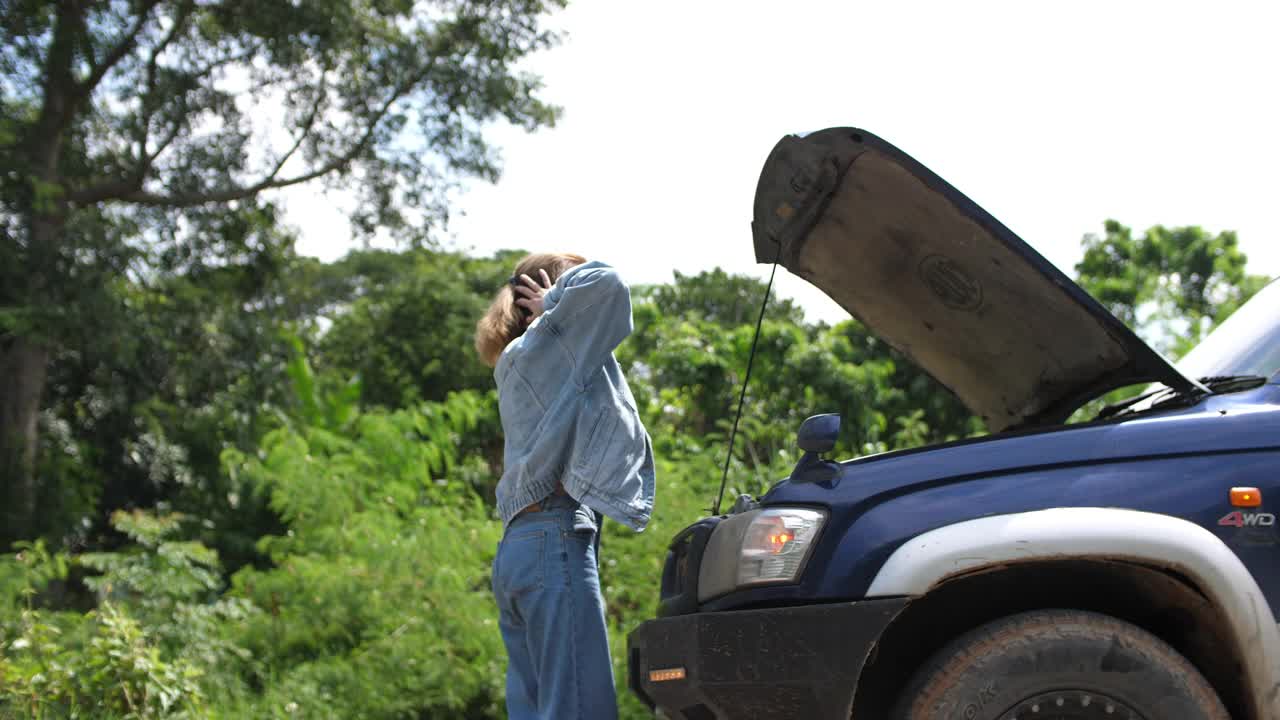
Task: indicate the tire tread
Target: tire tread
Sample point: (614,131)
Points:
(936,681)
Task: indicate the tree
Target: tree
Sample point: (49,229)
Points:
(411,337)
(1173,285)
(130,130)
(719,297)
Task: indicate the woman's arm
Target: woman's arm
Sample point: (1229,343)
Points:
(590,308)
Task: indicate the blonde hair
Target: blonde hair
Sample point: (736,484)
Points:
(504,321)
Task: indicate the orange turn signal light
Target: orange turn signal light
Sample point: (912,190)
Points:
(666,674)
(1246,497)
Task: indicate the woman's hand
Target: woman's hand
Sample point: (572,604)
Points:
(532,294)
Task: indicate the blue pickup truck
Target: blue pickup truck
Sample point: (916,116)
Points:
(1123,565)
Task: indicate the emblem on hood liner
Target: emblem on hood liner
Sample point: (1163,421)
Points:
(950,283)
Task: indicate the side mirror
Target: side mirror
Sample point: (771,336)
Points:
(818,433)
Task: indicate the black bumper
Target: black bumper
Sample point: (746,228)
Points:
(791,662)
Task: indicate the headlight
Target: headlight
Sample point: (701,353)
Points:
(776,545)
(759,547)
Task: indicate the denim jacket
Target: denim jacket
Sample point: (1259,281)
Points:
(567,412)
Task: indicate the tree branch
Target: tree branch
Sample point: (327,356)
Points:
(122,190)
(306,128)
(206,69)
(118,188)
(148,96)
(179,24)
(164,144)
(116,54)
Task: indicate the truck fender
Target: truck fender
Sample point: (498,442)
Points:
(1105,533)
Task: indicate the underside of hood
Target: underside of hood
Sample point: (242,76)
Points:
(942,281)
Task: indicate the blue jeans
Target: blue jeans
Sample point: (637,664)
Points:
(551,614)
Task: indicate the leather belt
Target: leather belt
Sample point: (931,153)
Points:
(537,507)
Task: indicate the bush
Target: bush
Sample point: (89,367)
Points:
(131,658)
(378,604)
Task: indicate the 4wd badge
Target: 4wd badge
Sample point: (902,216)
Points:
(1248,519)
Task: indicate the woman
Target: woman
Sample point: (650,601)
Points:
(575,450)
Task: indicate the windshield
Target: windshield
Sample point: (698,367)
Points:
(1248,343)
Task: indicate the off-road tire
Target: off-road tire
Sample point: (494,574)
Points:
(1058,665)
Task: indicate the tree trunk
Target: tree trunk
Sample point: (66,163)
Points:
(24,359)
(23,365)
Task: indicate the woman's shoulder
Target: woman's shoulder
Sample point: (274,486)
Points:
(592,270)
(589,283)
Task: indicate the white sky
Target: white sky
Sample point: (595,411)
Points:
(1052,117)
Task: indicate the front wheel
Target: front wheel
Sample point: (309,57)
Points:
(1058,665)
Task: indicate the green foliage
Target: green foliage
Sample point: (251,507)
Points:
(118,674)
(141,654)
(1173,284)
(410,337)
(154,572)
(718,297)
(36,566)
(377,600)
(139,412)
(387,98)
(333,410)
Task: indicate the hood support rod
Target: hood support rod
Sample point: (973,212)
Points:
(742,396)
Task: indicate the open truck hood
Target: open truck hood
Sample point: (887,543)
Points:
(942,281)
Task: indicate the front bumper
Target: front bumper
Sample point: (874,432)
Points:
(790,662)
